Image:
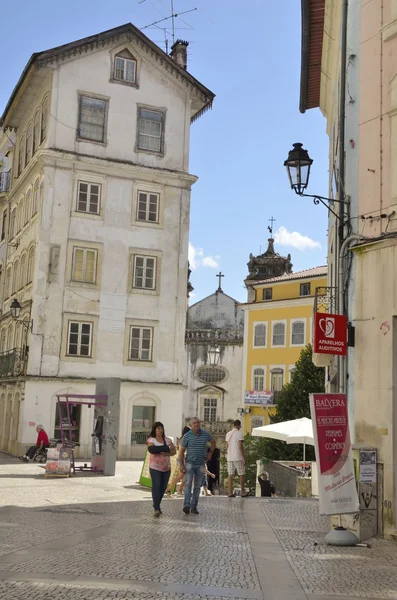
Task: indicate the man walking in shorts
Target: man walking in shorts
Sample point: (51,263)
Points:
(235,457)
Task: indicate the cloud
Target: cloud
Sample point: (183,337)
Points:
(198,259)
(294,239)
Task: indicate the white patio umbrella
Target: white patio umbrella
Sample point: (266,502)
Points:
(298,431)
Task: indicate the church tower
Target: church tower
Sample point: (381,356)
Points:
(269,264)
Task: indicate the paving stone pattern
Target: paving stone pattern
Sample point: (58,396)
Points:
(326,570)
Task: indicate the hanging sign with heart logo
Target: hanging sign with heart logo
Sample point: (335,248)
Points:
(330,334)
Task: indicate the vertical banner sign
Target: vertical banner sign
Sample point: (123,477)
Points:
(337,484)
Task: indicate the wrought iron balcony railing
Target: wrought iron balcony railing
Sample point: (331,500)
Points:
(5,181)
(213,335)
(13,363)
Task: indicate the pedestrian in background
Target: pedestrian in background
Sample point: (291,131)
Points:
(267,487)
(160,449)
(194,444)
(178,475)
(235,458)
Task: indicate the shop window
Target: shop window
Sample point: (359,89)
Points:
(142,421)
(75,419)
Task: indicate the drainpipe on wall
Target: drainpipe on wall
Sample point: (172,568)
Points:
(342,308)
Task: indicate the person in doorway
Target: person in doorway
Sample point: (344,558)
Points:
(160,449)
(235,458)
(42,442)
(192,457)
(267,488)
(204,483)
(213,465)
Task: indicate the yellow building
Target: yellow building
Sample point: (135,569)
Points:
(277,326)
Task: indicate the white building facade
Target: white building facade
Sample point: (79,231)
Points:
(95,241)
(214,391)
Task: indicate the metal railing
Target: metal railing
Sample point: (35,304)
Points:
(213,335)
(13,363)
(326,299)
(139,437)
(5,181)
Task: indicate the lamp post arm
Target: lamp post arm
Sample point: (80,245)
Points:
(321,198)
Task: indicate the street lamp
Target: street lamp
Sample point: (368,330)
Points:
(16,311)
(298,166)
(214,354)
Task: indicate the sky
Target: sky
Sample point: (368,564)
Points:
(248,53)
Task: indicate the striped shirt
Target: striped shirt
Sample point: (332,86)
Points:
(196,446)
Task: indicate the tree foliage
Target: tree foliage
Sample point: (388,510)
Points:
(293,403)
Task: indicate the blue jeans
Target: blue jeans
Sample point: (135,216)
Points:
(159,485)
(195,472)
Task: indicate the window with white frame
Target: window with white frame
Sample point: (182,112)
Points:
(124,67)
(305,289)
(150,130)
(144,275)
(258,379)
(141,343)
(92,118)
(79,341)
(278,338)
(298,333)
(44,120)
(260,331)
(210,406)
(148,207)
(257,422)
(276,380)
(36,188)
(28,207)
(88,197)
(291,372)
(84,265)
(36,131)
(29,144)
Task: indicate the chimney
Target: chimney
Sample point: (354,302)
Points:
(179,53)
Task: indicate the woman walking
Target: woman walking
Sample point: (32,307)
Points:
(160,448)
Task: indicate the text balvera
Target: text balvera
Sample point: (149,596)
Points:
(329,402)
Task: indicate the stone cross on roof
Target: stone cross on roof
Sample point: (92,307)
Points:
(272,221)
(220,275)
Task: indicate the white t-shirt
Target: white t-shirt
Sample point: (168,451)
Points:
(233,438)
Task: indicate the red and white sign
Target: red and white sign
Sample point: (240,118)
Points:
(337,483)
(330,334)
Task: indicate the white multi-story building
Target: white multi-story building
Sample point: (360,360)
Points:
(94,234)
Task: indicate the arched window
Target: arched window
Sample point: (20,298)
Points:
(30,264)
(298,333)
(28,207)
(3,340)
(21,210)
(259,379)
(36,130)
(21,155)
(36,197)
(278,334)
(22,277)
(124,67)
(29,143)
(13,224)
(10,337)
(277,380)
(44,119)
(15,281)
(256,422)
(260,335)
(8,282)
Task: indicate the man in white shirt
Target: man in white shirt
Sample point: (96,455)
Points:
(235,457)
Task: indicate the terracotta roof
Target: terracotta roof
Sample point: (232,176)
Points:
(313,12)
(98,40)
(306,274)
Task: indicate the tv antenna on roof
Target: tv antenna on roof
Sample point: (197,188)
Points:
(174,15)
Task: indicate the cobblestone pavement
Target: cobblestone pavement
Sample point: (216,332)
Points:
(94,538)
(325,570)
